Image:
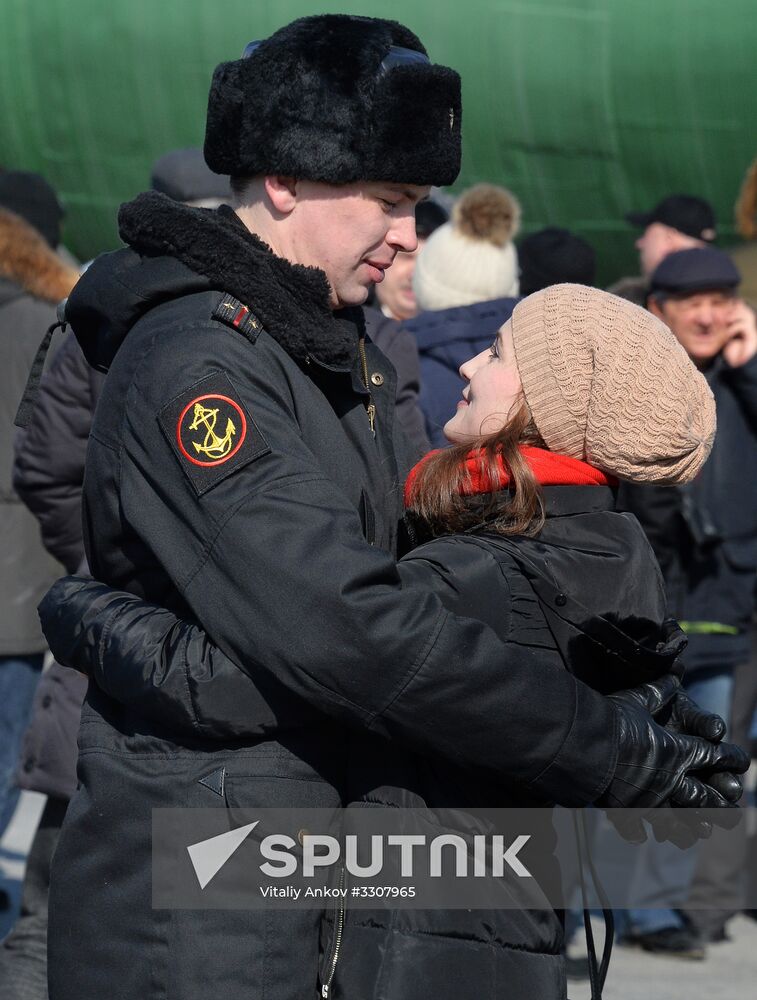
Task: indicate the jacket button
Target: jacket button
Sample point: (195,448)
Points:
(301,834)
(377,378)
(47,701)
(561,600)
(29,764)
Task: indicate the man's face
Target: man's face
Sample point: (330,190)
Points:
(699,322)
(395,293)
(659,240)
(652,246)
(353,232)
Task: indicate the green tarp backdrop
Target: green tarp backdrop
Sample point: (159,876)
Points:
(584,108)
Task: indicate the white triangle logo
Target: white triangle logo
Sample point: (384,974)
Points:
(209,856)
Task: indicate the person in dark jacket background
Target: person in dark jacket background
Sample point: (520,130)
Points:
(551,256)
(48,475)
(466,284)
(32,280)
(184,176)
(399,346)
(516,523)
(394,303)
(705,537)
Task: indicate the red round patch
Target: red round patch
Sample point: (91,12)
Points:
(211,430)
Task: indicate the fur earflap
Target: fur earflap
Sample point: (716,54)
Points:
(317,101)
(487,212)
(746,205)
(27,260)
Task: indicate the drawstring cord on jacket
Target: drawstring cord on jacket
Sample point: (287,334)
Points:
(597,974)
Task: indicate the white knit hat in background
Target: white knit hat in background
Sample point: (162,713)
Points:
(472,257)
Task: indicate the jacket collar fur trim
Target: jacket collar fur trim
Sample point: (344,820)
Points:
(290,300)
(28,262)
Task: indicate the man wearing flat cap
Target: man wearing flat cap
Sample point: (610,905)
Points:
(245,473)
(705,539)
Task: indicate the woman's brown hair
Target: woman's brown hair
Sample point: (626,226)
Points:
(438,507)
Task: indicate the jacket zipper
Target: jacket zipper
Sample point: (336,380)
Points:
(326,988)
(370,405)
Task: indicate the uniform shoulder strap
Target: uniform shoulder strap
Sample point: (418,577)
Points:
(238,316)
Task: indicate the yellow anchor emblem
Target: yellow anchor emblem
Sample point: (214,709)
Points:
(213,447)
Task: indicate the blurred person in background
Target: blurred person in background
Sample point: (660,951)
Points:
(33,279)
(551,256)
(745,254)
(184,176)
(32,197)
(393,303)
(48,475)
(466,286)
(705,538)
(678,222)
(395,295)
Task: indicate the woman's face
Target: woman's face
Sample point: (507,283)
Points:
(493,389)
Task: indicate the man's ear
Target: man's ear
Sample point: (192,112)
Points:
(655,308)
(282,193)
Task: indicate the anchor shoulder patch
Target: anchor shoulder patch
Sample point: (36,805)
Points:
(210,431)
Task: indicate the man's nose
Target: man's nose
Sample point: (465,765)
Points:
(705,315)
(402,234)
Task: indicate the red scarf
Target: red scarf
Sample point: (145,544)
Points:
(549,469)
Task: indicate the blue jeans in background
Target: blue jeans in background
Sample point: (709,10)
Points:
(18,680)
(667,872)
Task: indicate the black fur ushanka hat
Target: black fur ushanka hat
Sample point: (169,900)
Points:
(325,99)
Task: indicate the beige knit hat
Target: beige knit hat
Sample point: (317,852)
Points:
(608,383)
(471,258)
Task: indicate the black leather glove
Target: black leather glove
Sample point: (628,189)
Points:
(680,713)
(665,766)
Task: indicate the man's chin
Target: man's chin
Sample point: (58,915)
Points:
(351,297)
(409,309)
(705,351)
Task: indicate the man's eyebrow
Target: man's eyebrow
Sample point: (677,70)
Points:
(409,194)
